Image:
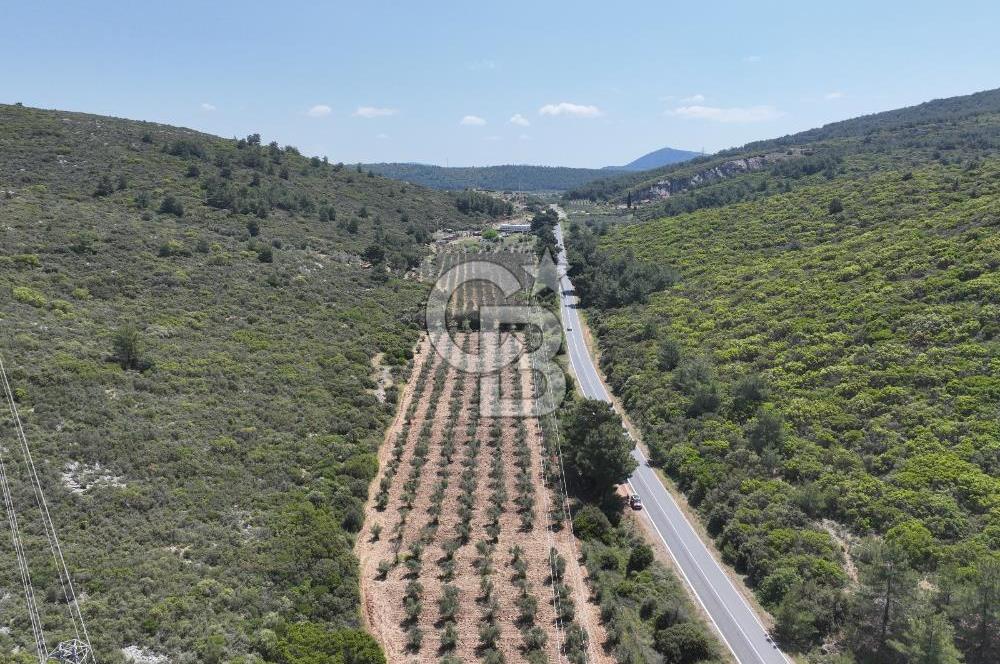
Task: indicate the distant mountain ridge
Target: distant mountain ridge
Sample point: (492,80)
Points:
(509,177)
(765,167)
(656,159)
(520,177)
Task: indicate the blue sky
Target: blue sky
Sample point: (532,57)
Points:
(473,83)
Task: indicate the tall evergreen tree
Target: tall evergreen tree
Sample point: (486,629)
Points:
(928,638)
(887,589)
(975,610)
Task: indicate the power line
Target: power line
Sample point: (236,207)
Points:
(78,650)
(22,564)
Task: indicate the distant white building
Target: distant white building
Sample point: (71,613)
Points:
(515,228)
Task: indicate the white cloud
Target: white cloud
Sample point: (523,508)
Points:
(836,94)
(519,120)
(693,99)
(370,112)
(472,121)
(752,58)
(205,106)
(480,65)
(524,137)
(574,110)
(493,139)
(319,111)
(382,137)
(736,115)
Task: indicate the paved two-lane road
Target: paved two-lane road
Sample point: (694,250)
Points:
(734,620)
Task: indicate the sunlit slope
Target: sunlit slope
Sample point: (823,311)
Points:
(208,489)
(828,356)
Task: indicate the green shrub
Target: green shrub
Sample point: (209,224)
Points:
(172,205)
(310,643)
(684,643)
(172,248)
(669,354)
(104,187)
(591,523)
(767,430)
(127,342)
(28,295)
(640,557)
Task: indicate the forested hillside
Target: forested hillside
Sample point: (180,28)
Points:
(816,365)
(191,325)
(959,127)
(494,178)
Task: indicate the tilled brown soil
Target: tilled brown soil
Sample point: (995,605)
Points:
(455,422)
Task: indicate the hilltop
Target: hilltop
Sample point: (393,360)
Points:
(193,326)
(656,159)
(817,369)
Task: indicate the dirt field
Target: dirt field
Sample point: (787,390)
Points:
(465,554)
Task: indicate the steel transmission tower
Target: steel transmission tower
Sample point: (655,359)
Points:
(72,652)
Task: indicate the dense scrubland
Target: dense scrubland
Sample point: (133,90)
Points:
(192,326)
(815,364)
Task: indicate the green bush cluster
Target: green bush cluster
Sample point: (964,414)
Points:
(609,280)
(647,613)
(470,201)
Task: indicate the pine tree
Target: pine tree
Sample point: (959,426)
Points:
(928,639)
(886,592)
(975,610)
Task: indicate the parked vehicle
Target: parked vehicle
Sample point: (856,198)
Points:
(635,502)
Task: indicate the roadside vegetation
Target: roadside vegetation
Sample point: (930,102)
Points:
(649,617)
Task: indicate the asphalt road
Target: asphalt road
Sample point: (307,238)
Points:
(734,620)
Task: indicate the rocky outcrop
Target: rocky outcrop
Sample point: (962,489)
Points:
(727,169)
